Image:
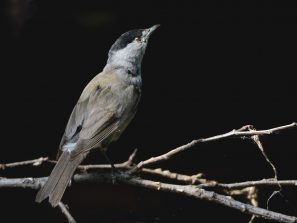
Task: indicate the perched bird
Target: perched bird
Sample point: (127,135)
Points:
(105,108)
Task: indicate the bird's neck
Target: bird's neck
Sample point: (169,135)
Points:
(128,58)
(127,64)
(129,71)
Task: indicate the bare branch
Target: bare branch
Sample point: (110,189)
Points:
(252,219)
(256,139)
(251,194)
(192,191)
(187,190)
(125,165)
(65,211)
(247,189)
(27,182)
(244,131)
(263,182)
(35,162)
(193,179)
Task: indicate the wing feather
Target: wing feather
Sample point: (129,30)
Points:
(93,120)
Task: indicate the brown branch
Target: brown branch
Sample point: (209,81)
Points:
(251,194)
(256,139)
(244,131)
(187,190)
(240,185)
(65,211)
(193,179)
(124,165)
(192,191)
(190,179)
(35,162)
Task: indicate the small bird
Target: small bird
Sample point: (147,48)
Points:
(105,108)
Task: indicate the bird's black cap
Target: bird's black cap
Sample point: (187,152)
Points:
(125,39)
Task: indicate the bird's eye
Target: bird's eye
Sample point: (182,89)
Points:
(137,39)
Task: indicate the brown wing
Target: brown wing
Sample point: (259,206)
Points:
(85,145)
(101,121)
(82,110)
(98,120)
(74,124)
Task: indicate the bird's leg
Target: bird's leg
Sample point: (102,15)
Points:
(113,169)
(108,160)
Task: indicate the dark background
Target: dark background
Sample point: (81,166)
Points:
(211,67)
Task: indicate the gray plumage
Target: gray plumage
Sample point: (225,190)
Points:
(105,108)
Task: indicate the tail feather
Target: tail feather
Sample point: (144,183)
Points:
(57,182)
(57,193)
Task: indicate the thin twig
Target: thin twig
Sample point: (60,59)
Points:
(191,179)
(263,182)
(252,220)
(256,139)
(66,213)
(240,132)
(35,162)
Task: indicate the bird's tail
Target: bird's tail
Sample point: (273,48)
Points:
(57,182)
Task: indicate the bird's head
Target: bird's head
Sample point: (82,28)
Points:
(130,47)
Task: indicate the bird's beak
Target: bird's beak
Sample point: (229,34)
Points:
(149,32)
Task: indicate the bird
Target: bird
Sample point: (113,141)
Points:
(104,109)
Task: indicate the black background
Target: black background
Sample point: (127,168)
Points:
(211,67)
